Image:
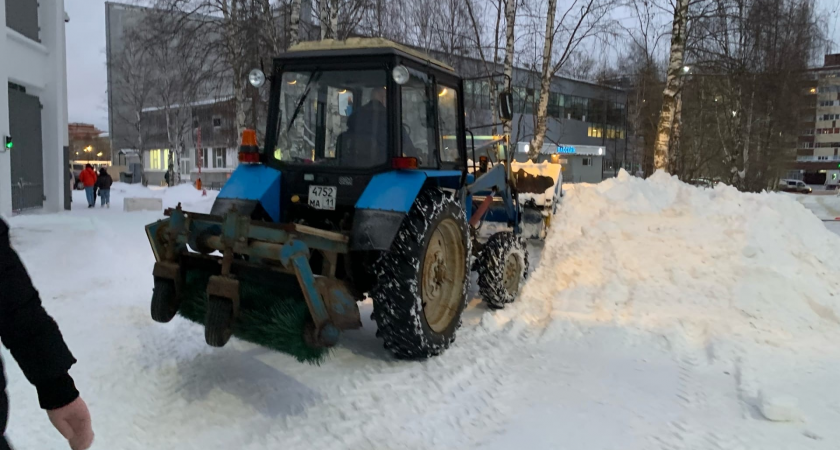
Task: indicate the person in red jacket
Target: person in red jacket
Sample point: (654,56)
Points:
(88,178)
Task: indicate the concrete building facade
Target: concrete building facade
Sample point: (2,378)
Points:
(817,158)
(34,172)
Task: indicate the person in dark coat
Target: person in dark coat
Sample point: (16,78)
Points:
(103,185)
(35,342)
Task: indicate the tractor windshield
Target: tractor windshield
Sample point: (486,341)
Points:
(333,117)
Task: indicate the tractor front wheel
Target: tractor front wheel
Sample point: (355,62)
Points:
(422,281)
(502,267)
(164,300)
(218,322)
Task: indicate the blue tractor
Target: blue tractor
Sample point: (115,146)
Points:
(363,188)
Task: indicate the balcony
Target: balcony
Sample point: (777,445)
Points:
(818,158)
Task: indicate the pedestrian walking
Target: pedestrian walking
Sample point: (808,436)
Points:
(88,178)
(103,185)
(35,342)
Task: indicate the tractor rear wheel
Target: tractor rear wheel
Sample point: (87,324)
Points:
(218,322)
(422,281)
(164,300)
(502,266)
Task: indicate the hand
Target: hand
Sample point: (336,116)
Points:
(73,422)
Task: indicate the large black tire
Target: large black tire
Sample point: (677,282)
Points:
(502,267)
(164,300)
(218,322)
(417,300)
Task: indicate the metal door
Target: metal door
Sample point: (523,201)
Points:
(27,155)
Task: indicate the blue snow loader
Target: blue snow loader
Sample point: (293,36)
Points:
(363,189)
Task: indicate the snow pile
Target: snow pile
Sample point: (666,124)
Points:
(694,265)
(823,206)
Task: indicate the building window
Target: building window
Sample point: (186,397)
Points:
(158,159)
(595,132)
(201,158)
(554,101)
(822,158)
(217,122)
(22,16)
(219,158)
(615,133)
(586,161)
(808,132)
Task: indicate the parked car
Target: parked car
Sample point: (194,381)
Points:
(797,186)
(704,182)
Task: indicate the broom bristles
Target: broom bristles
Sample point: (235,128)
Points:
(264,319)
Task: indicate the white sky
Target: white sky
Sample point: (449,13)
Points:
(86,76)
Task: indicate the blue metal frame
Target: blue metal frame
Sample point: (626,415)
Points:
(495,181)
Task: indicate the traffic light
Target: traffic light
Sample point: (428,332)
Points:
(9,143)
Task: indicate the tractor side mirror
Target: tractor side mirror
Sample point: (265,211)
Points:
(506,106)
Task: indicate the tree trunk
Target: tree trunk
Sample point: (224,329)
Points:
(294,23)
(747,136)
(328,16)
(677,160)
(510,20)
(545,85)
(672,82)
(240,100)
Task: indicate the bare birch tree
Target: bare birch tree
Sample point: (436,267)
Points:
(673,80)
(510,36)
(328,18)
(581,21)
(294,23)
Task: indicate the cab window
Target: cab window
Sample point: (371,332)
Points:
(448,120)
(418,121)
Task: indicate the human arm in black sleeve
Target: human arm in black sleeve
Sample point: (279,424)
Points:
(30,334)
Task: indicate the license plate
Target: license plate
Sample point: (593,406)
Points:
(322,197)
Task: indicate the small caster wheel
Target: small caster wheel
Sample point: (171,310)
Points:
(164,300)
(218,323)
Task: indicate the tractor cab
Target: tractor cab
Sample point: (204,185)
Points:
(343,111)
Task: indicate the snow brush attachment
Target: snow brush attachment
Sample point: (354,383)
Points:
(262,320)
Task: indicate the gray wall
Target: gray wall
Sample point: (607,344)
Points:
(575,172)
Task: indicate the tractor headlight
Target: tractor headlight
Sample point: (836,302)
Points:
(400,74)
(256,78)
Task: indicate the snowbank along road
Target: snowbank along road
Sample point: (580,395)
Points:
(657,316)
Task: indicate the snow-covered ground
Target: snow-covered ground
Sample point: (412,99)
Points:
(658,316)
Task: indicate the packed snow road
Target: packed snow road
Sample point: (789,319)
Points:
(658,315)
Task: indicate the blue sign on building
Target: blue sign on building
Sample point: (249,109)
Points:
(566,149)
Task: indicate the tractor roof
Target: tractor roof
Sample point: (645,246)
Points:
(366,46)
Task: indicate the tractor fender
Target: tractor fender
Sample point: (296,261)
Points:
(386,201)
(250,187)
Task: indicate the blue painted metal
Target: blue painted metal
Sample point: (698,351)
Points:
(392,191)
(396,190)
(255,182)
(496,178)
(295,255)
